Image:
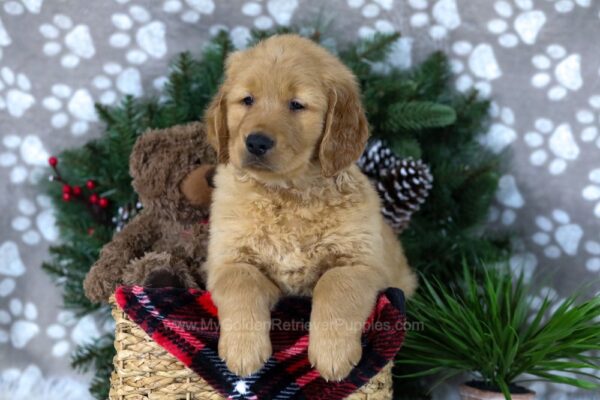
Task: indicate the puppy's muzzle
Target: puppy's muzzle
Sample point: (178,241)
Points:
(258,144)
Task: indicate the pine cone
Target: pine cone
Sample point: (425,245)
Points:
(377,159)
(402,184)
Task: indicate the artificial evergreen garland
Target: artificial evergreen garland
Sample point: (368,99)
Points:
(417,112)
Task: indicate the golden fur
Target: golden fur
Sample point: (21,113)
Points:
(301,220)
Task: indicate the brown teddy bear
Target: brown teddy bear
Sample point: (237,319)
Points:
(165,244)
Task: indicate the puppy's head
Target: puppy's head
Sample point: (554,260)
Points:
(287,105)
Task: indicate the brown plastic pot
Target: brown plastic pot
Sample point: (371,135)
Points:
(470,393)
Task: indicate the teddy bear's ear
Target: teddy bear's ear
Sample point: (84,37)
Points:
(149,178)
(161,159)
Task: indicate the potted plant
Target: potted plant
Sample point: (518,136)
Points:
(489,327)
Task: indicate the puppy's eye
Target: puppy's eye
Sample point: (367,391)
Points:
(248,100)
(296,106)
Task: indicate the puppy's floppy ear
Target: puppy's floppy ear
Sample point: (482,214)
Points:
(215,120)
(346,128)
(215,117)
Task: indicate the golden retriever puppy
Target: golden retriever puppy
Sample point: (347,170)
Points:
(291,212)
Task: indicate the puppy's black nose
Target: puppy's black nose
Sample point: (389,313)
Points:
(258,143)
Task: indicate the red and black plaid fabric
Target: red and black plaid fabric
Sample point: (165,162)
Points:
(185,323)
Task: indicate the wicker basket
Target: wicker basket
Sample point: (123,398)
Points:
(144,370)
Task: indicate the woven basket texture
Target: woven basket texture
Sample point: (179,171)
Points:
(144,370)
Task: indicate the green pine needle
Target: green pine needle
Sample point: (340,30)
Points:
(488,326)
(419,115)
(93,356)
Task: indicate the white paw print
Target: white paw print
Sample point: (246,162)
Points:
(592,248)
(5,40)
(399,56)
(380,26)
(69,331)
(68,106)
(189,10)
(73,42)
(557,234)
(475,66)
(43,225)
(587,117)
(30,383)
(592,191)
(268,13)
(370,10)
(523,262)
(553,144)
(517,22)
(115,79)
(14,92)
(11,267)
(557,65)
(136,27)
(501,133)
(159,84)
(14,7)
(26,157)
(17,324)
(239,35)
(508,196)
(443,19)
(536,302)
(544,293)
(566,6)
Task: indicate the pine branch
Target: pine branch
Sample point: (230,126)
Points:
(86,357)
(419,115)
(433,75)
(97,356)
(104,114)
(361,56)
(257,35)
(378,47)
(408,148)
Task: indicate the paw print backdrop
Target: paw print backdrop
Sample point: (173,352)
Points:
(536,59)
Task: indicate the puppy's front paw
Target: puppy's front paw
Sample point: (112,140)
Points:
(333,354)
(244,352)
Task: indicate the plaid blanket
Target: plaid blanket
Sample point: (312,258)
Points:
(185,323)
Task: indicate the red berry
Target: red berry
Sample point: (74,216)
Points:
(66,189)
(53,161)
(66,196)
(103,202)
(90,231)
(77,190)
(94,198)
(90,184)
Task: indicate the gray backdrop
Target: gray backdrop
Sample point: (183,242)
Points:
(537,59)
